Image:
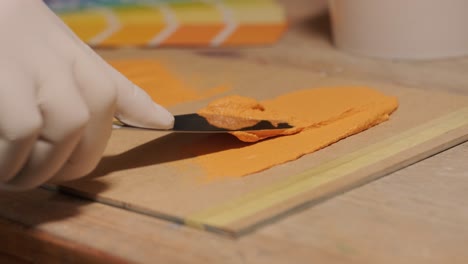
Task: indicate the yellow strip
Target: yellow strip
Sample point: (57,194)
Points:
(254,202)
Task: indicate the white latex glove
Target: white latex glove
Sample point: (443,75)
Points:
(58,99)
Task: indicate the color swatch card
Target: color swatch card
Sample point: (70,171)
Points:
(152,23)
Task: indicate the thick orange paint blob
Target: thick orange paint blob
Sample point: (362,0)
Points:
(325,115)
(164,87)
(236,112)
(233,112)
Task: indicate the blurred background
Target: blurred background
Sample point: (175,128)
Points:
(174,23)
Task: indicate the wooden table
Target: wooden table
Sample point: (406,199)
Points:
(416,215)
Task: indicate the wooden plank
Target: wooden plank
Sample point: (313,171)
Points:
(150,184)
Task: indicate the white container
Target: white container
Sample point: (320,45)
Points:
(401,29)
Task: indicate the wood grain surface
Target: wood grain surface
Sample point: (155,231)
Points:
(415,215)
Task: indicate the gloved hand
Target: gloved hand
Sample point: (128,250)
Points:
(58,99)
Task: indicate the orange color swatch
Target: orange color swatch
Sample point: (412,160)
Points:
(326,116)
(164,87)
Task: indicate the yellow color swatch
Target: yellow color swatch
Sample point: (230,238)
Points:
(136,29)
(86,24)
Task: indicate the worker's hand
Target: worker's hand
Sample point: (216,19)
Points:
(58,99)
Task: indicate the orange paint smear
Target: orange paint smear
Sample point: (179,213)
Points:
(326,116)
(161,84)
